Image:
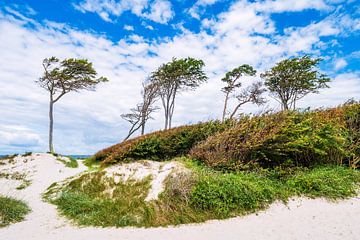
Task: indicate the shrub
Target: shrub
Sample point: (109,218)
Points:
(287,139)
(352,118)
(330,182)
(233,193)
(161,145)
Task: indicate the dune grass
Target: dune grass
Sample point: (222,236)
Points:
(205,194)
(12,211)
(71,163)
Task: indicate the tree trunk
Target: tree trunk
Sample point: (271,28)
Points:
(225,106)
(236,109)
(143,128)
(51,125)
(166,119)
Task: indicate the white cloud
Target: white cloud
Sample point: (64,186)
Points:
(277,6)
(158,11)
(129,28)
(88,121)
(18,136)
(199,7)
(340,63)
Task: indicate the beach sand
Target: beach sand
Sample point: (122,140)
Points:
(301,218)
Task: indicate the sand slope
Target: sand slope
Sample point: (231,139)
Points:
(301,219)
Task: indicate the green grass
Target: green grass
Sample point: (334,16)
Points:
(12,211)
(203,195)
(72,163)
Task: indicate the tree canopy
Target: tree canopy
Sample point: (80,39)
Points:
(294,78)
(175,76)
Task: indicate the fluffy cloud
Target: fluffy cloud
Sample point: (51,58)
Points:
(158,11)
(340,63)
(18,137)
(277,6)
(88,121)
(199,7)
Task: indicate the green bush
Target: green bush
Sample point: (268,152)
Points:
(161,145)
(233,193)
(331,182)
(284,139)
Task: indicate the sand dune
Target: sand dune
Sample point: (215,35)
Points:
(300,219)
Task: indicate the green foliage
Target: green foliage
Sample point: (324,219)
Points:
(224,194)
(293,78)
(68,75)
(180,73)
(331,182)
(232,76)
(12,211)
(287,139)
(237,193)
(352,119)
(205,194)
(175,76)
(70,162)
(85,201)
(161,145)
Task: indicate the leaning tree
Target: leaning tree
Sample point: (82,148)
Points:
(232,80)
(294,78)
(62,77)
(174,77)
(139,115)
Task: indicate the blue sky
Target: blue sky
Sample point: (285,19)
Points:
(126,40)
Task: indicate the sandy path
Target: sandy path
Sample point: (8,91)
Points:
(301,219)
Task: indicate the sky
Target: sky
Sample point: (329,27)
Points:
(127,40)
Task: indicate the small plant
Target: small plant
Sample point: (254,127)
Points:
(26,154)
(12,211)
(70,162)
(23,185)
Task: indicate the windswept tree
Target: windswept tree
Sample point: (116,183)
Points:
(62,77)
(251,94)
(294,78)
(232,80)
(174,77)
(139,115)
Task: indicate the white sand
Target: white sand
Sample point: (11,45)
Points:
(301,219)
(137,171)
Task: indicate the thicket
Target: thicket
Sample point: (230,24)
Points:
(289,139)
(161,145)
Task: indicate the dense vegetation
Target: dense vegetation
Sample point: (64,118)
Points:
(290,139)
(203,195)
(12,211)
(238,167)
(161,145)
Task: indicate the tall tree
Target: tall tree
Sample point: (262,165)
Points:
(142,112)
(62,77)
(174,77)
(294,78)
(232,79)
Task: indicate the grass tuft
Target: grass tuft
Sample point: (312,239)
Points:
(12,211)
